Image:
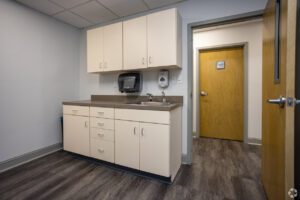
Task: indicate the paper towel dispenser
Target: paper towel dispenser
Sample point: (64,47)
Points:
(130,82)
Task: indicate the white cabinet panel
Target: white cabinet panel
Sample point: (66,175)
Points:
(155,148)
(76,134)
(135,43)
(102,112)
(127,143)
(163,48)
(76,110)
(102,134)
(161,117)
(102,123)
(95,50)
(113,47)
(103,150)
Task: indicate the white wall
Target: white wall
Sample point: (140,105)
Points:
(191,11)
(251,33)
(39,68)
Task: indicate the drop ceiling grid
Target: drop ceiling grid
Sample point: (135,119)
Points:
(84,13)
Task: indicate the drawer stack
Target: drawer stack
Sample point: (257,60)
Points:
(102,133)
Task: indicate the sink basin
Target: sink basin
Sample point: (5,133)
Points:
(150,103)
(155,103)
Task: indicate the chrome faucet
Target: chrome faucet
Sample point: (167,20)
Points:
(150,96)
(164,100)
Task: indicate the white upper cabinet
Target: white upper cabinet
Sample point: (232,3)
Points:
(113,47)
(95,50)
(164,39)
(135,43)
(144,42)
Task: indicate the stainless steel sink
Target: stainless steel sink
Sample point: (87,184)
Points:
(155,103)
(150,103)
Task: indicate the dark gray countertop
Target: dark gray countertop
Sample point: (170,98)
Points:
(123,104)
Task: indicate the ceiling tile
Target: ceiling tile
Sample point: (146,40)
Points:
(44,6)
(72,19)
(69,3)
(159,3)
(124,7)
(94,12)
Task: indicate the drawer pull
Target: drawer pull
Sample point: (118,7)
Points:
(100,124)
(101,113)
(74,111)
(101,150)
(100,134)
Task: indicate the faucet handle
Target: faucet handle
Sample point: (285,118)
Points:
(150,96)
(163,93)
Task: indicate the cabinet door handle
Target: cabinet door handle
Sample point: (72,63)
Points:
(143,60)
(100,124)
(101,113)
(142,131)
(100,134)
(86,124)
(134,131)
(150,59)
(100,150)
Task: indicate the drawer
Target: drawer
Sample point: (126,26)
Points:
(103,150)
(103,134)
(102,112)
(102,123)
(152,116)
(76,110)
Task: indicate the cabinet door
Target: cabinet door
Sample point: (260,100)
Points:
(76,134)
(113,47)
(127,143)
(135,43)
(155,148)
(95,50)
(162,38)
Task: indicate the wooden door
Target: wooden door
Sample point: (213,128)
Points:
(95,50)
(278,120)
(155,148)
(113,47)
(127,143)
(162,38)
(76,134)
(222,93)
(135,43)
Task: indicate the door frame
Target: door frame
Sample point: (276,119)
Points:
(196,71)
(187,159)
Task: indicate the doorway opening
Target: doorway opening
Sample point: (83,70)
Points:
(233,74)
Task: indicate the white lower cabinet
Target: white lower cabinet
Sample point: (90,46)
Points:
(155,148)
(127,143)
(76,134)
(143,146)
(145,140)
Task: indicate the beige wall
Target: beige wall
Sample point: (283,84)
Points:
(246,32)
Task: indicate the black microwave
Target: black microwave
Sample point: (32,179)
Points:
(130,82)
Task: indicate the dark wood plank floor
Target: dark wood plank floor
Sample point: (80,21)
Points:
(221,170)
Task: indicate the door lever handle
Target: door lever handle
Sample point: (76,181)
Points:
(202,93)
(280,101)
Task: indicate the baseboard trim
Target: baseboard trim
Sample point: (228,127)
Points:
(254,141)
(27,157)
